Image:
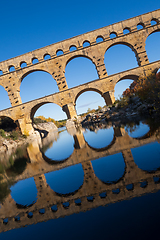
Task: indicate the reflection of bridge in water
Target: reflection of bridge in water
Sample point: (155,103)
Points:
(91,194)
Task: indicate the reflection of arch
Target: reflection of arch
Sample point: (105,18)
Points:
(19,196)
(88,89)
(65,177)
(112,159)
(105,148)
(54,162)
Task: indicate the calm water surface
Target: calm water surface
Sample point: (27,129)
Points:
(112,183)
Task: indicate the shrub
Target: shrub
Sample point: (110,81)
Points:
(14,135)
(2,133)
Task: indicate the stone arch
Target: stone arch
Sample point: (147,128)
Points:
(155,20)
(151,31)
(123,43)
(132,77)
(148,34)
(120,85)
(31,71)
(86,90)
(5,97)
(38,105)
(91,64)
(39,83)
(99,38)
(126,30)
(140,25)
(77,56)
(9,122)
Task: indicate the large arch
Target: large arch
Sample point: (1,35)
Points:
(54,107)
(4,95)
(38,84)
(80,69)
(92,97)
(152,45)
(124,83)
(111,60)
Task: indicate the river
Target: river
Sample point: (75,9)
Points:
(100,182)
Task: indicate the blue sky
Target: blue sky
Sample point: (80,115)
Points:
(28,25)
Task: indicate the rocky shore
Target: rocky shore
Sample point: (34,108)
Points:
(8,145)
(135,110)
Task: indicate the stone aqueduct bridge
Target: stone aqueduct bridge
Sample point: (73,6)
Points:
(89,194)
(135,39)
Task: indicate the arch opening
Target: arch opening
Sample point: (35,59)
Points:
(89,100)
(80,70)
(4,95)
(23,64)
(7,124)
(47,56)
(140,26)
(24,192)
(37,84)
(109,169)
(66,181)
(154,21)
(152,46)
(99,39)
(126,30)
(99,137)
(86,44)
(48,112)
(72,48)
(35,60)
(11,68)
(59,52)
(139,130)
(60,148)
(119,57)
(1,73)
(113,35)
(148,162)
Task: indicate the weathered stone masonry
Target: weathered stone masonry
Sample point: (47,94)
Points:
(135,39)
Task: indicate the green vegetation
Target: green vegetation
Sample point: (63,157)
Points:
(147,88)
(4,191)
(42,119)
